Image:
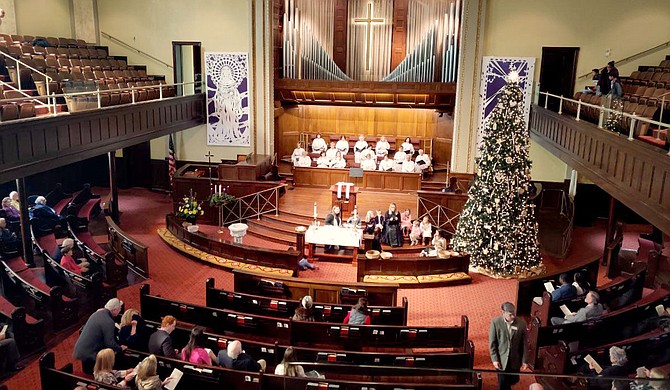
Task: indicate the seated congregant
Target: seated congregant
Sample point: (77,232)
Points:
(382,147)
(369,163)
(407,146)
(104,371)
(8,240)
(58,252)
(331,151)
(234,357)
(359,147)
(319,144)
(134,332)
(14,198)
(422,161)
(288,367)
(619,367)
(11,213)
(342,145)
(593,309)
(297,152)
(338,161)
(359,314)
(44,212)
(307,312)
(193,352)
(303,160)
(386,164)
(408,165)
(323,161)
(566,290)
(354,220)
(160,342)
(68,262)
(580,283)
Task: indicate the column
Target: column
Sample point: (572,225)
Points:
(340,28)
(85,17)
(261,77)
(611,227)
(9,21)
(467,88)
(113,188)
(26,238)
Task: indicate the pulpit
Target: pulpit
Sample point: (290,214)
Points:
(344,196)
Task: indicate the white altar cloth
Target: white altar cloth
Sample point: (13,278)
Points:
(334,235)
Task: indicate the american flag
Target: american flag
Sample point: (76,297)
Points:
(172,163)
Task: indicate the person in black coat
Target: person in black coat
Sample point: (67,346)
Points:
(392,234)
(334,219)
(134,333)
(160,342)
(619,368)
(604,82)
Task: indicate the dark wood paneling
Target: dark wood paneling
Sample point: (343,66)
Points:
(38,144)
(341,23)
(399,36)
(636,174)
(371,180)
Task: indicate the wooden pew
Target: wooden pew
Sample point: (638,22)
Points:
(17,277)
(127,249)
(58,199)
(212,376)
(274,352)
(529,288)
(116,271)
(52,378)
(247,254)
(256,304)
(415,270)
(320,290)
(28,331)
(304,333)
(620,292)
(650,349)
(617,325)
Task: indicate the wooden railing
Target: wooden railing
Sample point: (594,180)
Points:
(636,174)
(443,209)
(128,249)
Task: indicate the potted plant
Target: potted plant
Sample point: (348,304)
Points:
(189,209)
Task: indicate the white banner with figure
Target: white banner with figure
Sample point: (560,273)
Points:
(495,73)
(228,111)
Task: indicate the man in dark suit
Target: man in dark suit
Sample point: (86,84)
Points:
(335,219)
(160,342)
(506,344)
(565,291)
(98,333)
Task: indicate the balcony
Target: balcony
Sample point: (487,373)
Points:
(635,173)
(33,145)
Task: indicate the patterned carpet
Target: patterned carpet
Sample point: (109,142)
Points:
(176,276)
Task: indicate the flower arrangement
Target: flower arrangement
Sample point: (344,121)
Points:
(189,208)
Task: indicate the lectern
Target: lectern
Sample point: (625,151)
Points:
(340,199)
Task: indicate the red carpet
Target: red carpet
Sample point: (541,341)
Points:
(174,276)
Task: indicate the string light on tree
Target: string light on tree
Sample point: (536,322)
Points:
(497,226)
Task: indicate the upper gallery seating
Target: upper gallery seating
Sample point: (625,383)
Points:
(72,66)
(643,96)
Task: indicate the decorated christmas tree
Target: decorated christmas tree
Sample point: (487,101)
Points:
(497,225)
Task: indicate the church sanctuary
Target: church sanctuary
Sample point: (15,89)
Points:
(334,194)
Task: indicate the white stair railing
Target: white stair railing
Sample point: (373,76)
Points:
(47,80)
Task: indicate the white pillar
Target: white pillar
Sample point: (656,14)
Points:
(572,191)
(85,20)
(467,87)
(262,75)
(8,25)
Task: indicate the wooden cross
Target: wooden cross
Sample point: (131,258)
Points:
(368,20)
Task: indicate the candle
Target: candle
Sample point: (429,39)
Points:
(314,210)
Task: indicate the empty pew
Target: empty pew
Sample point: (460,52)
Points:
(127,249)
(529,288)
(320,290)
(620,292)
(58,199)
(116,271)
(414,271)
(28,331)
(302,333)
(273,353)
(617,325)
(256,304)
(17,277)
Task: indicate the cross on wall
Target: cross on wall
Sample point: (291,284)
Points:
(368,20)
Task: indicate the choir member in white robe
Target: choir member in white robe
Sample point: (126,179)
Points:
(342,145)
(386,164)
(422,161)
(338,161)
(382,147)
(407,146)
(319,144)
(369,152)
(323,161)
(408,165)
(297,152)
(369,163)
(399,157)
(303,161)
(359,147)
(332,150)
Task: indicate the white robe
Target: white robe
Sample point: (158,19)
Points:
(408,166)
(368,153)
(342,146)
(369,164)
(331,153)
(359,147)
(407,147)
(297,152)
(382,148)
(399,156)
(338,163)
(425,158)
(319,145)
(386,165)
(322,162)
(303,161)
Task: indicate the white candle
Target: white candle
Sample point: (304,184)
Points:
(315,210)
